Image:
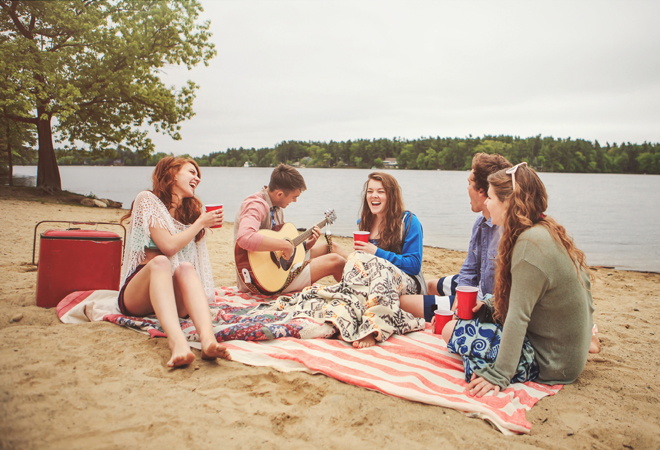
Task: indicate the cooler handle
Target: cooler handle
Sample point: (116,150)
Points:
(34,242)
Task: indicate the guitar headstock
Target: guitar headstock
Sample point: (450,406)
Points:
(330,216)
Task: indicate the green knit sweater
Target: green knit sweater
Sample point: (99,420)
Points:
(551,305)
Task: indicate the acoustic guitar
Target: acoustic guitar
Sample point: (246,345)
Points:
(268,271)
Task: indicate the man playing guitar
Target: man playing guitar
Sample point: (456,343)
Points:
(263,211)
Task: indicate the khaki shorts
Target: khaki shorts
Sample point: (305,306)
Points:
(303,279)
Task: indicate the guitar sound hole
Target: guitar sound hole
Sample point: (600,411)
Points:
(275,259)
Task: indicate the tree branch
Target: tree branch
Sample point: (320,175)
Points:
(63,44)
(30,120)
(12,13)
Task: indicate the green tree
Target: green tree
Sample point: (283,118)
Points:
(431,159)
(405,158)
(94,66)
(16,142)
(420,162)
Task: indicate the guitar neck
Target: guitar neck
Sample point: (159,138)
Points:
(303,236)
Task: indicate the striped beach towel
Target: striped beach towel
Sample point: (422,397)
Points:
(414,367)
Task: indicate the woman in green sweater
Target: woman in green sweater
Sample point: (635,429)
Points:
(542,305)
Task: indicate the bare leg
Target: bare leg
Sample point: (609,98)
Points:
(414,304)
(594,347)
(448,330)
(341,251)
(190,294)
(432,287)
(151,291)
(320,248)
(329,264)
(367,341)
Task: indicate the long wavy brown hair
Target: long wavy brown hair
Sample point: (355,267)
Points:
(163,178)
(390,229)
(524,207)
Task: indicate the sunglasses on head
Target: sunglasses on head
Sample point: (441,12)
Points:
(512,172)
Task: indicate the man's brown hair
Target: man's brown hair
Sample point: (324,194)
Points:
(286,178)
(484,164)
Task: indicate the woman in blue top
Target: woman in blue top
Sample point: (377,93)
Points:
(395,235)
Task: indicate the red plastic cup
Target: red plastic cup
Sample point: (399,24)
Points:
(466,296)
(362,236)
(213,208)
(442,317)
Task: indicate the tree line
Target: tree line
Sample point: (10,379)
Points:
(547,154)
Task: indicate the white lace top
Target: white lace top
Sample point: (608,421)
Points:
(149,211)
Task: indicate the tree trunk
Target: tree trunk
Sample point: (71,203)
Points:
(48,174)
(11,165)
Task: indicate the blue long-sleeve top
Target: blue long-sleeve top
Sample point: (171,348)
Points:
(410,259)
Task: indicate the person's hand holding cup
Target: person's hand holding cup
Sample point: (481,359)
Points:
(219,211)
(442,318)
(466,298)
(361,236)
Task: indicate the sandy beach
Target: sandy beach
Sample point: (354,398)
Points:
(98,385)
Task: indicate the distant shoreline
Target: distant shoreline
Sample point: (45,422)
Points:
(33,194)
(310,168)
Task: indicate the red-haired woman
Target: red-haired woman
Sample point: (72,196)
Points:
(166,264)
(542,304)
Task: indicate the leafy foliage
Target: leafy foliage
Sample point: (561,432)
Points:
(94,66)
(16,144)
(545,153)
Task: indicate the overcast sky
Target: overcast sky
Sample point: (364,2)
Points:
(338,70)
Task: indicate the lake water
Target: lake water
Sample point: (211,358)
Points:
(613,218)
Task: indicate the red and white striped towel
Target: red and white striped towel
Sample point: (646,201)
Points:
(414,367)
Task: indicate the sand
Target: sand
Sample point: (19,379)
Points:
(98,385)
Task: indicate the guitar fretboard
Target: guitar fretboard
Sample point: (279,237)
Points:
(306,234)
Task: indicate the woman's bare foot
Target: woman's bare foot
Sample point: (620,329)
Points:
(214,351)
(367,341)
(594,347)
(181,356)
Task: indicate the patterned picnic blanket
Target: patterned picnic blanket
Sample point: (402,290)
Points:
(365,302)
(416,366)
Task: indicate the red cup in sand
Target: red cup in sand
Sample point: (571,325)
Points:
(442,317)
(213,208)
(466,296)
(362,236)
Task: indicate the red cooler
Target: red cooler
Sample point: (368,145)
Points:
(76,260)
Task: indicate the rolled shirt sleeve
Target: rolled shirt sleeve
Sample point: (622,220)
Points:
(250,221)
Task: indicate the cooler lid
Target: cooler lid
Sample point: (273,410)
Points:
(83,235)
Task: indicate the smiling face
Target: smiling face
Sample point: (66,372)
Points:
(186,181)
(376,197)
(495,207)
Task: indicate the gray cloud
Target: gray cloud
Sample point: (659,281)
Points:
(321,70)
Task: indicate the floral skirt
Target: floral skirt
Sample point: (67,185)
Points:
(478,344)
